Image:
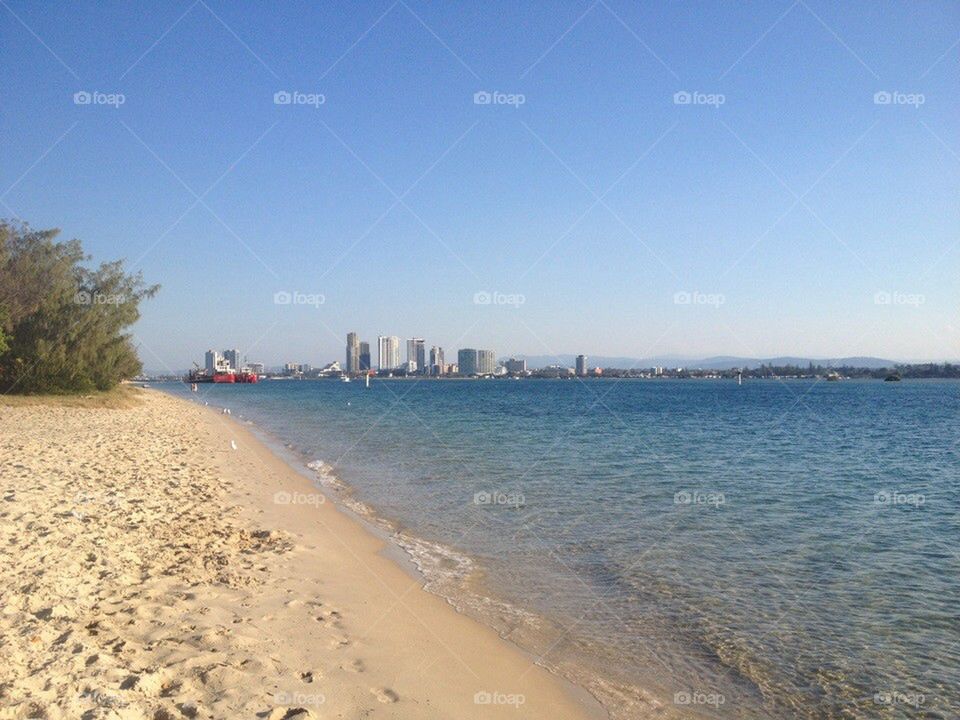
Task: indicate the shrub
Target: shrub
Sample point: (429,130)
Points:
(61,323)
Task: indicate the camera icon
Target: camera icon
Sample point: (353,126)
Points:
(682,97)
(681,698)
(682,298)
(82,98)
(282,297)
(482,697)
(82,298)
(482,298)
(282,97)
(682,498)
(282,497)
(482,498)
(882,298)
(882,98)
(482,97)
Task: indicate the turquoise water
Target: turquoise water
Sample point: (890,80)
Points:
(777,549)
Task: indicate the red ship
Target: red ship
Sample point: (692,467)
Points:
(202,376)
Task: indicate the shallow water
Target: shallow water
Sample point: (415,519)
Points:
(777,549)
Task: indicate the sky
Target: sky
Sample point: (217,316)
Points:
(608,177)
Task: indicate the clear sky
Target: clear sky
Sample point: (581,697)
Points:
(786,209)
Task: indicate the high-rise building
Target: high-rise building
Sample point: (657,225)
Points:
(353,354)
(389,352)
(416,355)
(476,362)
(365,356)
(233,358)
(486,362)
(582,365)
(467,361)
(212,361)
(515,366)
(436,361)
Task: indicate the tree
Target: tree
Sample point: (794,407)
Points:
(61,323)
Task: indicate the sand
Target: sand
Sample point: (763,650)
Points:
(157,561)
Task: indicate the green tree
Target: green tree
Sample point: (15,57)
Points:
(61,323)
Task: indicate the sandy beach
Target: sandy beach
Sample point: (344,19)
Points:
(157,561)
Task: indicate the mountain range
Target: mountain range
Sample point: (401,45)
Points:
(718,362)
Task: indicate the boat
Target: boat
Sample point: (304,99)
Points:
(893,377)
(834,376)
(344,378)
(221,378)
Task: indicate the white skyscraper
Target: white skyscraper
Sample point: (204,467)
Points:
(389,352)
(212,361)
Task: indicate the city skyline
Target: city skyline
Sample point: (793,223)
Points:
(643,200)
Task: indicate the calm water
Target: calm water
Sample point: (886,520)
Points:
(780,549)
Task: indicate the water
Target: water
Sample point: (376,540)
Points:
(781,549)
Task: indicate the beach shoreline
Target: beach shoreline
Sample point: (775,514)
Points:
(163,559)
(465,589)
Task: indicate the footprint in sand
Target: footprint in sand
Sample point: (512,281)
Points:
(357,666)
(310,675)
(339,641)
(385,695)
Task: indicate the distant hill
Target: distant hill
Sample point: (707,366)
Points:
(718,362)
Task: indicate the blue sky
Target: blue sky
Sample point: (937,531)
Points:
(785,210)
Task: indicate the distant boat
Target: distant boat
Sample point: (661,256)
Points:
(202,376)
(834,377)
(892,377)
(344,378)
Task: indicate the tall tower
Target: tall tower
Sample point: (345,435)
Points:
(582,365)
(353,354)
(212,361)
(417,355)
(467,361)
(436,361)
(233,358)
(389,352)
(365,357)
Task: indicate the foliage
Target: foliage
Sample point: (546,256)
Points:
(61,323)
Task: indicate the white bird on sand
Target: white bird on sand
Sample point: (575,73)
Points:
(233,444)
